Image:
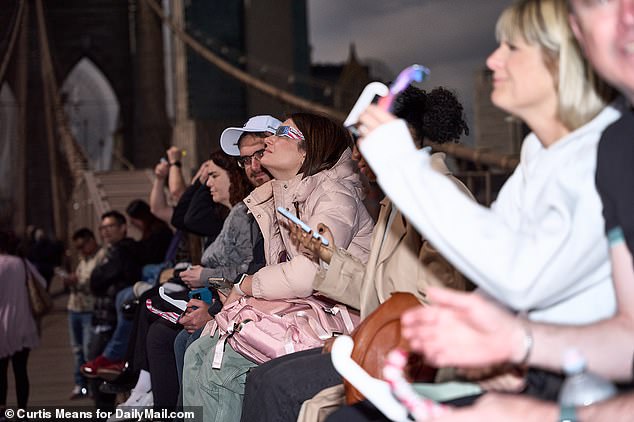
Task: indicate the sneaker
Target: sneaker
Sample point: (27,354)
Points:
(78,392)
(89,369)
(122,384)
(137,399)
(111,370)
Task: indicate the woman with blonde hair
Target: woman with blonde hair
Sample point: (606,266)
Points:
(540,248)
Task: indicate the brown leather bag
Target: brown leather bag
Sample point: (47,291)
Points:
(40,300)
(379,333)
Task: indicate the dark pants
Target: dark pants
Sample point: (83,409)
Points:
(98,343)
(136,355)
(19,362)
(162,363)
(276,389)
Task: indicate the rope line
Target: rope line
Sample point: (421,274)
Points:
(241,75)
(12,40)
(75,157)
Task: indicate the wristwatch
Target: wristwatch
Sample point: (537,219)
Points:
(567,414)
(238,282)
(176,163)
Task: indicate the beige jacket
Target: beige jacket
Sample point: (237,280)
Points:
(81,298)
(400,260)
(332,197)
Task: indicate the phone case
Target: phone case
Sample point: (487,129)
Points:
(203,294)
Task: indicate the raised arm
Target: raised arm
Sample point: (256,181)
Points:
(526,259)
(158,200)
(176,181)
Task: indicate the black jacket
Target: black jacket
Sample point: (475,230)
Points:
(120,268)
(197,213)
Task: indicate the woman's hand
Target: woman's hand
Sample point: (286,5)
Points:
(373,117)
(174,154)
(161,170)
(458,321)
(191,277)
(309,245)
(70,280)
(233,296)
(202,174)
(193,319)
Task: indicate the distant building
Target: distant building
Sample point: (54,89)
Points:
(346,81)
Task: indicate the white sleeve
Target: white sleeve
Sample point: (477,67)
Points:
(528,259)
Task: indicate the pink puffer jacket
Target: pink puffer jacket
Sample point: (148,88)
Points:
(332,197)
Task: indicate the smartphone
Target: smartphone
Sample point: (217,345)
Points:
(203,294)
(220,283)
(60,272)
(303,225)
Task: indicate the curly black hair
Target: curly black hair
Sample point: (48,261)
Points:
(436,116)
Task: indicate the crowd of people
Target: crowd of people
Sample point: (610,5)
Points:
(504,290)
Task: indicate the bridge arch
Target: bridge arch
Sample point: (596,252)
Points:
(93,112)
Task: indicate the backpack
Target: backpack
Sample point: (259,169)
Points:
(261,330)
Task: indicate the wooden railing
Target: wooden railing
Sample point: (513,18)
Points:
(100,192)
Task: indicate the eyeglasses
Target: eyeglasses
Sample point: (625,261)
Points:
(290,132)
(247,160)
(108,226)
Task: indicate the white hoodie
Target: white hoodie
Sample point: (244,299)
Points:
(540,248)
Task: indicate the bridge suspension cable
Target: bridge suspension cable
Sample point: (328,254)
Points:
(240,74)
(12,39)
(74,155)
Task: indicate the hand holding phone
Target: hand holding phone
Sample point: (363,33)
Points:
(220,283)
(376,92)
(203,294)
(302,225)
(370,94)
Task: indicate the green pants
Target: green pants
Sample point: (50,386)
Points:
(219,391)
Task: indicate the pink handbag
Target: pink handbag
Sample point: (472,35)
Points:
(261,330)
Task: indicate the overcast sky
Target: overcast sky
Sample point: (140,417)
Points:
(451,37)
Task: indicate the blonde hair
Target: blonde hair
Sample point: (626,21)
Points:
(581,93)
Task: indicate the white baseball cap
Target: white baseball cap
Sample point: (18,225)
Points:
(230,136)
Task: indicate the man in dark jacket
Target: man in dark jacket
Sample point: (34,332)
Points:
(119,269)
